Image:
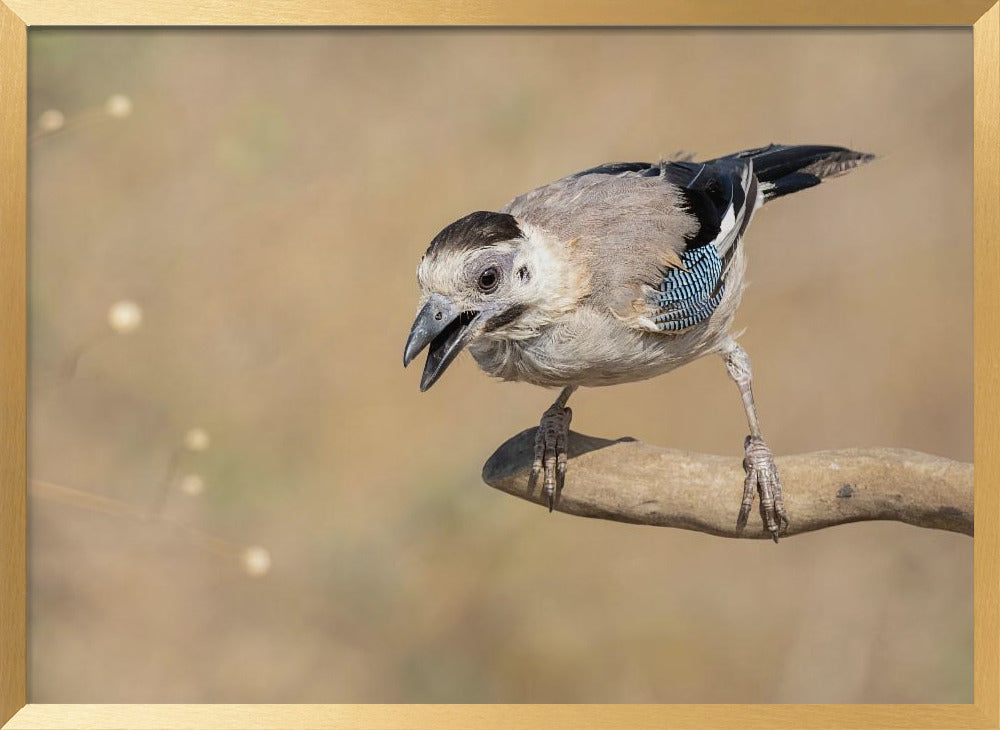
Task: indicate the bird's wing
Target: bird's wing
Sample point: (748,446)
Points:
(722,194)
(646,230)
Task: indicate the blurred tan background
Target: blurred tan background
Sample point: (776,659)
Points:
(263,197)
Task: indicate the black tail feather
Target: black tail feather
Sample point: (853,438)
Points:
(785,169)
(789,184)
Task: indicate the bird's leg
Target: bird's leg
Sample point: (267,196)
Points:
(758,461)
(550,447)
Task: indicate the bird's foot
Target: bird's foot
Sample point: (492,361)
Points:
(762,478)
(550,452)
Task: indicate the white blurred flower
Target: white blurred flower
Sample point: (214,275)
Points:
(125,316)
(256,560)
(192,485)
(51,120)
(118,105)
(197,439)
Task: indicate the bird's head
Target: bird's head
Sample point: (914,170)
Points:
(481,278)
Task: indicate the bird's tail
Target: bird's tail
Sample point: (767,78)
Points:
(784,169)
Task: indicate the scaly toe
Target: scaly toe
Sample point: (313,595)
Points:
(551,458)
(762,479)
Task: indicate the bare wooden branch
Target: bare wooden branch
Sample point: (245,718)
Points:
(629,481)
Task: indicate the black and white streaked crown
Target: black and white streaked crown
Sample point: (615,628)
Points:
(476,230)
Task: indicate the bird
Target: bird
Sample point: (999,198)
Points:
(615,274)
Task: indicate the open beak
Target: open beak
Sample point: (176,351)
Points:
(444,330)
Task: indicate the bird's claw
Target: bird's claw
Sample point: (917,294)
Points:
(762,478)
(551,456)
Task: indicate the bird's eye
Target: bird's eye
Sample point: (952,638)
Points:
(488,280)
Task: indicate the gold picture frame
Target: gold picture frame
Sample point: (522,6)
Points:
(17,16)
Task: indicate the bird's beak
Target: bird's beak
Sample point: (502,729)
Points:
(445,329)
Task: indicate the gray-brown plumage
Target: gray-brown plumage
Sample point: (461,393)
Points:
(614,274)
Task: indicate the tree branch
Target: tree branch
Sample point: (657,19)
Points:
(629,481)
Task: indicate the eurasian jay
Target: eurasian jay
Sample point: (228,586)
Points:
(614,274)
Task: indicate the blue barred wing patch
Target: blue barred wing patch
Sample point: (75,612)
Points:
(687,297)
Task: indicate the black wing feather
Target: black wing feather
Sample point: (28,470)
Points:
(709,189)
